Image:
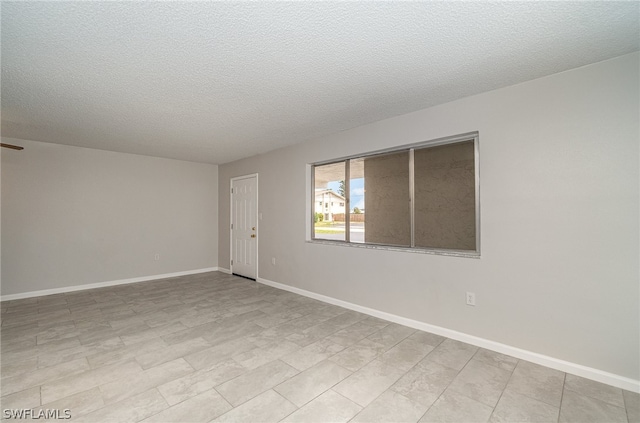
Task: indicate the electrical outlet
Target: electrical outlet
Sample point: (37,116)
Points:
(273,261)
(157,257)
(471,298)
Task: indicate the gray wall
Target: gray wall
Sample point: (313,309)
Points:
(73,216)
(559,220)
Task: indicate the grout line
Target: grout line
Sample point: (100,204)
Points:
(505,387)
(564,379)
(626,407)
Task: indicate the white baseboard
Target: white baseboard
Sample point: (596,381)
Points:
(554,363)
(223,270)
(102,284)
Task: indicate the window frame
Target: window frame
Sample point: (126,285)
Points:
(471,136)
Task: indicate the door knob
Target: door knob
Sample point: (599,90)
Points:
(253,235)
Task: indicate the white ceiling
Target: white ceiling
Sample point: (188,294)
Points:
(218,81)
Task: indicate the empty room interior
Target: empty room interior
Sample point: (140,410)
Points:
(320,211)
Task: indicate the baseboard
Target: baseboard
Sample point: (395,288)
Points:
(551,362)
(223,270)
(102,284)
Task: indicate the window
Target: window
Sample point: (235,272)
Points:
(422,197)
(327,225)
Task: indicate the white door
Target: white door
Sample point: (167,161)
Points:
(244,226)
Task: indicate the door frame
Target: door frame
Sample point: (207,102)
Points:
(237,178)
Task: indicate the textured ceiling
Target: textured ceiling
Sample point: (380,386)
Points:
(218,81)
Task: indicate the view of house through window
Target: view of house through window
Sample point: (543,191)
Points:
(357,201)
(421,197)
(330,202)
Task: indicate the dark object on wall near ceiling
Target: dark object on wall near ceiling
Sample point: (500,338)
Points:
(11,146)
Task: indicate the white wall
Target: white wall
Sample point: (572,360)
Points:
(74,216)
(559,271)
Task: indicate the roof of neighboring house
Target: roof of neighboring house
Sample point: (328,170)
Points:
(329,191)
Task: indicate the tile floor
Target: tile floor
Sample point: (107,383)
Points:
(214,347)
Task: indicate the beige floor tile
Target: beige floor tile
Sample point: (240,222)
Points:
(171,352)
(391,407)
(427,338)
(302,339)
(632,404)
(97,334)
(117,390)
(188,386)
(368,383)
(326,328)
(19,333)
(593,389)
(14,368)
(190,333)
(209,357)
(481,382)
(201,408)
(160,318)
(257,357)
(18,347)
(201,318)
(152,333)
(538,382)
(406,354)
(58,389)
(312,354)
(29,398)
(514,407)
(51,358)
(130,410)
(275,307)
(254,382)
(280,332)
(425,382)
(455,409)
(376,322)
(123,322)
(578,408)
(328,407)
(256,304)
(358,355)
(33,350)
(21,382)
(78,404)
(312,382)
(276,319)
(492,358)
(225,334)
(125,352)
(191,340)
(62,315)
(391,335)
(267,407)
(452,354)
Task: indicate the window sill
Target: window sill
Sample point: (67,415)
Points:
(432,251)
